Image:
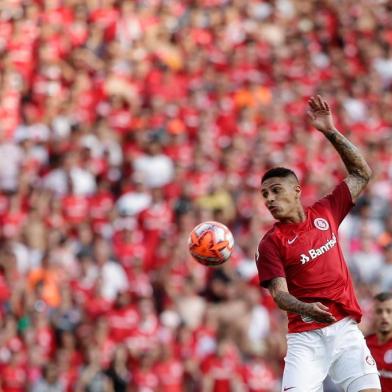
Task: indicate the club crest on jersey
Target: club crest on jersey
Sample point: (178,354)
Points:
(388,356)
(321,224)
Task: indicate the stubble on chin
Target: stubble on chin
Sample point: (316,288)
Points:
(386,330)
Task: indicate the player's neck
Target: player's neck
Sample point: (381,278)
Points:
(297,216)
(384,337)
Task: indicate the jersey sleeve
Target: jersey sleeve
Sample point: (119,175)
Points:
(339,202)
(268,261)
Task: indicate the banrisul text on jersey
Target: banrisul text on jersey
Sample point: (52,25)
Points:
(314,253)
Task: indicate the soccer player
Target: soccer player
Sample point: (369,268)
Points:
(380,343)
(301,263)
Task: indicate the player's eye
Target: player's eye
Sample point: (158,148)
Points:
(276,190)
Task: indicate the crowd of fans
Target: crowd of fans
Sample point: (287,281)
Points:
(125,123)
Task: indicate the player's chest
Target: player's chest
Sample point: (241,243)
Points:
(304,247)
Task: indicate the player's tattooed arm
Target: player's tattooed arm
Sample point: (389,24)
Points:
(280,293)
(316,310)
(359,172)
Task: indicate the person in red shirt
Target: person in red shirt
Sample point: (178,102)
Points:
(380,343)
(144,377)
(170,370)
(221,371)
(123,318)
(13,375)
(258,375)
(301,263)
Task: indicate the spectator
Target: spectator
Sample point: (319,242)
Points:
(118,371)
(113,276)
(92,377)
(366,262)
(49,381)
(154,167)
(386,275)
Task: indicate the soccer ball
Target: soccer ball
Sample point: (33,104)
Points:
(211,243)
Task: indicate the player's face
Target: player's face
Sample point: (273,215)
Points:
(383,316)
(280,195)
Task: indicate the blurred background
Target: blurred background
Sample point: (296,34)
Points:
(126,123)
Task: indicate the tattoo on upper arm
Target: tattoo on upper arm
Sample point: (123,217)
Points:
(355,184)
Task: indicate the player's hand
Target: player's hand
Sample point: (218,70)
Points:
(319,312)
(320,115)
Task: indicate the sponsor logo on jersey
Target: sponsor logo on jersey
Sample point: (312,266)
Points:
(304,259)
(321,224)
(312,254)
(292,240)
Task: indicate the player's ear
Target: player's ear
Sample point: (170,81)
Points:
(298,191)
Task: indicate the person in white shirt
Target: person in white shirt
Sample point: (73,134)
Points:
(114,278)
(154,167)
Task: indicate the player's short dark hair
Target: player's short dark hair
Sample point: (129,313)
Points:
(384,296)
(278,172)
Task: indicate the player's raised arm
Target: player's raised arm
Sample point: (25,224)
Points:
(359,172)
(316,310)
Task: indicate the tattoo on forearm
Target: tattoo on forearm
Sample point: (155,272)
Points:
(285,301)
(289,303)
(353,159)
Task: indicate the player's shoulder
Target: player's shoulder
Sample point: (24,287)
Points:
(270,235)
(321,204)
(268,240)
(336,192)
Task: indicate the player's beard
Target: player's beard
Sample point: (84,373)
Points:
(276,212)
(385,329)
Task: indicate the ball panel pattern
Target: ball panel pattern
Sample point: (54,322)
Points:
(211,243)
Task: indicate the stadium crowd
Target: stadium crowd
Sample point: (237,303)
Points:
(125,123)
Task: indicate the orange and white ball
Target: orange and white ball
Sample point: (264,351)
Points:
(211,243)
